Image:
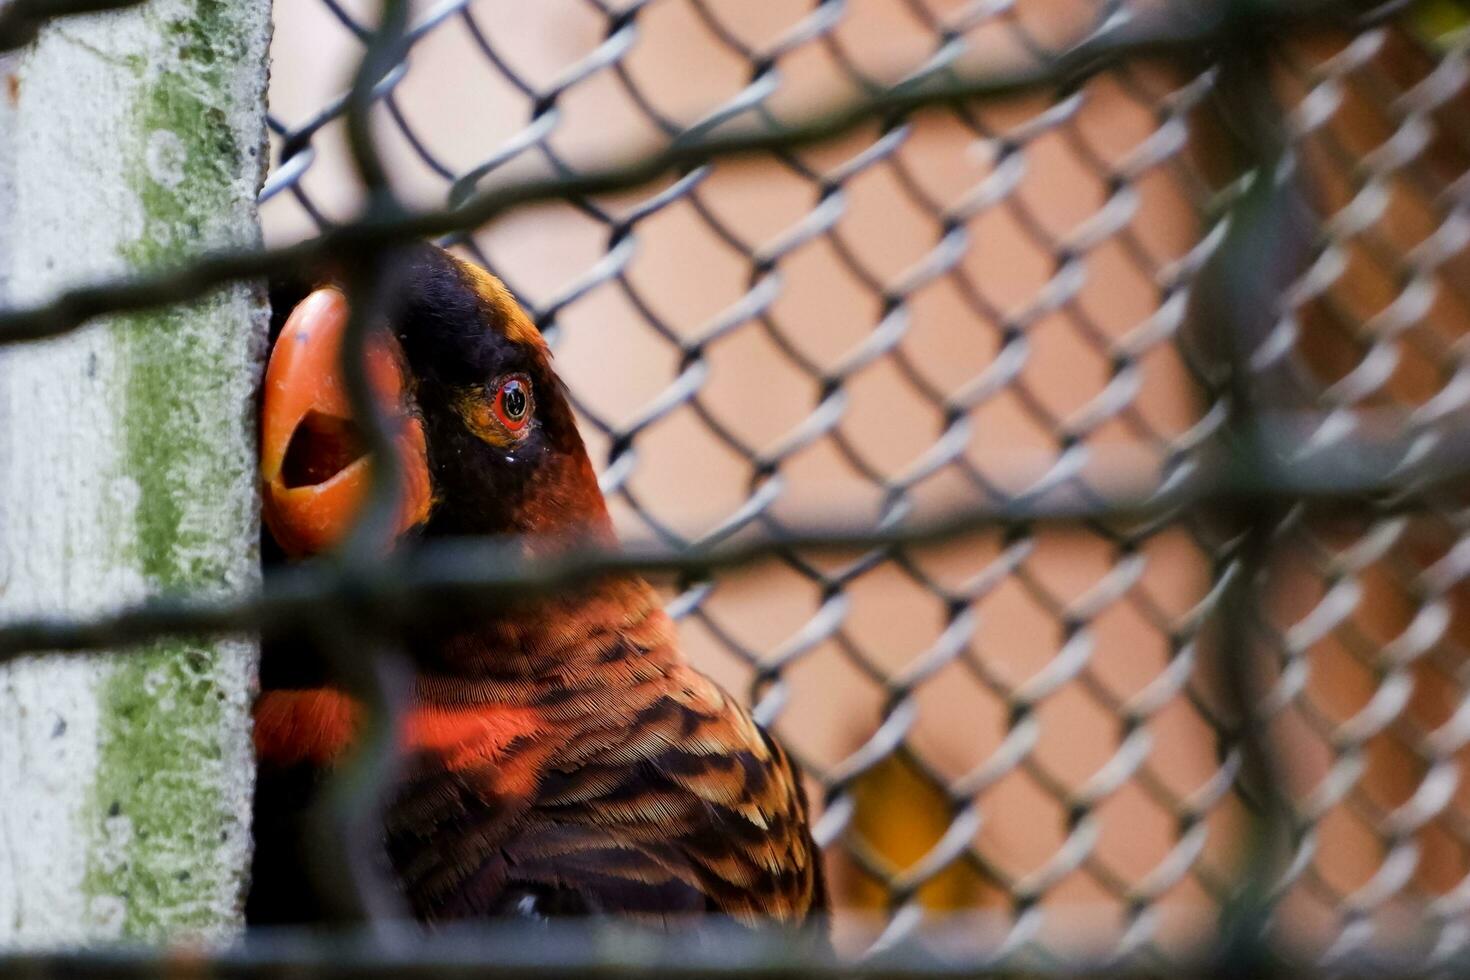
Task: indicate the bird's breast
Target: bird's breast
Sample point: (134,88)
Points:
(464,737)
(319,726)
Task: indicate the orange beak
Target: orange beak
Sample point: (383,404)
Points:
(315,471)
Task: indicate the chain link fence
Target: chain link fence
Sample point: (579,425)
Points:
(976,305)
(1061,441)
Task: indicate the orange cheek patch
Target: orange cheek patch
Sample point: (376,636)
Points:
(479,417)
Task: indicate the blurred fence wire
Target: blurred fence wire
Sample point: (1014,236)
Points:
(1315,296)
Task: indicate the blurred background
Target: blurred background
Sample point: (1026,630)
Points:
(978,303)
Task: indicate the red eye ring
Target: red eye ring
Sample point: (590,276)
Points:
(513,402)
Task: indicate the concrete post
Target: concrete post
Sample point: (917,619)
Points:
(127,467)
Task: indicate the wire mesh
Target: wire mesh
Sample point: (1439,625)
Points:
(1165,300)
(881,284)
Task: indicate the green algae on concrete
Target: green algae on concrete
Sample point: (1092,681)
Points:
(170,835)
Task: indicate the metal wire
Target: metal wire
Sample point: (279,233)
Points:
(1318,154)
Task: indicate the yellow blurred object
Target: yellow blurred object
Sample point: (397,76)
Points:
(901,814)
(1438,21)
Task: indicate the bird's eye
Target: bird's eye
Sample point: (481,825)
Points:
(513,403)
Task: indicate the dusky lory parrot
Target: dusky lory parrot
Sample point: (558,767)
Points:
(561,756)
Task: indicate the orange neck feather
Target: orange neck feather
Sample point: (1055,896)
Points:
(501,675)
(314,727)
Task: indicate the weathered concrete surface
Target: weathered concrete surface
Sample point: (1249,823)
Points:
(127,467)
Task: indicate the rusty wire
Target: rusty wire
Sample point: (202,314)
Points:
(1270,467)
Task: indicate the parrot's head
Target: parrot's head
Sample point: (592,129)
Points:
(486,438)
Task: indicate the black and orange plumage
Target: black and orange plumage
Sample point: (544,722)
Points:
(562,755)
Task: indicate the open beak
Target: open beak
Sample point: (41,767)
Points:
(312,461)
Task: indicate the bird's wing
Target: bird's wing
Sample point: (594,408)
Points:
(684,806)
(696,793)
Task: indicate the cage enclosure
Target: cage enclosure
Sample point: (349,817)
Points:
(1047,415)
